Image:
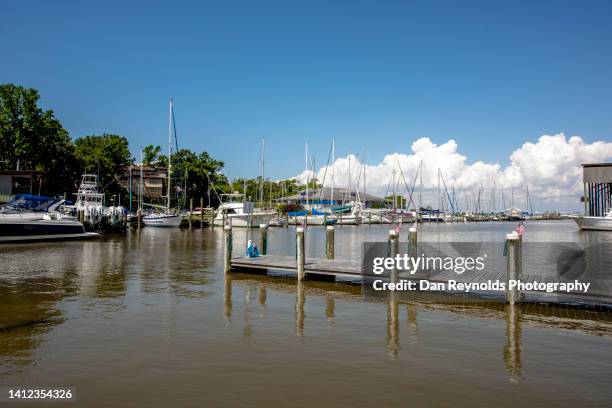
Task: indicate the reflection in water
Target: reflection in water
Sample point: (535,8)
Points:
(227,298)
(411,317)
(300,299)
(262,297)
(512,350)
(330,307)
(393,339)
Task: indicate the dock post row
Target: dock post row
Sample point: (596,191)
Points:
(513,257)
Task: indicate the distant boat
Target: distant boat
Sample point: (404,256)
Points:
(165,218)
(594,223)
(35,218)
(239,213)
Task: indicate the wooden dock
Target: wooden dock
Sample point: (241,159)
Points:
(600,291)
(317,266)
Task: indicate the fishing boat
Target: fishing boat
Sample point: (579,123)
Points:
(240,213)
(36,218)
(163,217)
(594,223)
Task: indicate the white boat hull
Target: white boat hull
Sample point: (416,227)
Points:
(242,220)
(594,223)
(163,220)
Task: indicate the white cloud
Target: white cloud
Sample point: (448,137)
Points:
(551,168)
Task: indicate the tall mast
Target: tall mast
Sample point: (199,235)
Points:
(140,183)
(364,168)
(261,171)
(307,173)
(333,172)
(349,180)
(394,189)
(169,150)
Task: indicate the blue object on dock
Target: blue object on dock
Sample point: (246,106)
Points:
(252,251)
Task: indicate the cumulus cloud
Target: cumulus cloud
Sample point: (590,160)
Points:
(550,168)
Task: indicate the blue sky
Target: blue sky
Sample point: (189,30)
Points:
(369,74)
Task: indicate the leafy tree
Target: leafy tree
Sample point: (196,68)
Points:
(150,155)
(198,172)
(103,155)
(33,139)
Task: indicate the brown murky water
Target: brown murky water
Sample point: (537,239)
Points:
(149,319)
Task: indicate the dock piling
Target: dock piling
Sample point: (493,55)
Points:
(329,242)
(514,266)
(263,238)
(201,212)
(393,250)
(190,212)
(412,242)
(227,258)
(301,256)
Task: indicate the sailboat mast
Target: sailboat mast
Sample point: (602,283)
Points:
(262,171)
(333,172)
(307,173)
(365,197)
(169,150)
(140,183)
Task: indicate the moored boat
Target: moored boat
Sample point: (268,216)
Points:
(35,218)
(594,223)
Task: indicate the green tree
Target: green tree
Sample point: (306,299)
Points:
(103,155)
(33,139)
(150,155)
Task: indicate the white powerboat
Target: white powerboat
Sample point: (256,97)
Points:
(594,223)
(35,218)
(238,213)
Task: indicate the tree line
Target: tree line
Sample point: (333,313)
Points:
(32,138)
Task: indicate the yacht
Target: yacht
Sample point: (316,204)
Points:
(36,218)
(594,223)
(239,213)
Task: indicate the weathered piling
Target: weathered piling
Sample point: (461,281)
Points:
(412,242)
(139,217)
(393,250)
(227,238)
(514,266)
(190,212)
(263,238)
(329,242)
(301,256)
(201,212)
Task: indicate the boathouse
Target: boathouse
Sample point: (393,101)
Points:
(597,179)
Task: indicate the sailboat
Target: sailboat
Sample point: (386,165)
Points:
(165,218)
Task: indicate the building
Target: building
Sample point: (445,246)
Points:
(154,181)
(17,182)
(323,196)
(597,180)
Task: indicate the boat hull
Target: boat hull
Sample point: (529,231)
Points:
(163,221)
(243,220)
(41,230)
(594,223)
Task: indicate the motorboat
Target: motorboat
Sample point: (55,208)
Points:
(594,223)
(36,218)
(237,212)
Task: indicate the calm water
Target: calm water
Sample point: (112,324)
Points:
(149,319)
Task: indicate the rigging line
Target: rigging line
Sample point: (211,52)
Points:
(325,174)
(406,183)
(447,194)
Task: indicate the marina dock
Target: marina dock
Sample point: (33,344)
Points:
(328,268)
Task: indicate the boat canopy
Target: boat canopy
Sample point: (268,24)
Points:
(31,202)
(297,213)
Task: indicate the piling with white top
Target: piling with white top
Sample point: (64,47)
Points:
(201,212)
(329,242)
(412,242)
(227,256)
(514,266)
(393,250)
(263,238)
(301,255)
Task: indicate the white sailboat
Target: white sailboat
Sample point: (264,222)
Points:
(165,218)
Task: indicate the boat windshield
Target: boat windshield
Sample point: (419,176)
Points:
(28,203)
